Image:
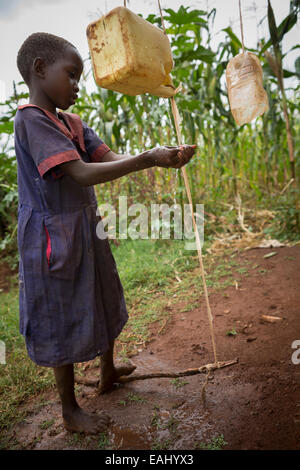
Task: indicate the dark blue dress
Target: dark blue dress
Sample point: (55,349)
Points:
(71,299)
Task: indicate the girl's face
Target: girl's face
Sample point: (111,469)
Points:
(60,83)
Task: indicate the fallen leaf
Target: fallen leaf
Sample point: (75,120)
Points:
(268,255)
(270,244)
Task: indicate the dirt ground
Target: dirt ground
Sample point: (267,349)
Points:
(254,404)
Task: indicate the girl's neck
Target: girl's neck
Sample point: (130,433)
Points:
(42,102)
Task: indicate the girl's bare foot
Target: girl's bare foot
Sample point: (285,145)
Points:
(110,375)
(78,420)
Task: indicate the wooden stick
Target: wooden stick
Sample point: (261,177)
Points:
(156,375)
(285,188)
(176,117)
(184,373)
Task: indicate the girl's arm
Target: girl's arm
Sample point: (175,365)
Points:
(88,174)
(113,157)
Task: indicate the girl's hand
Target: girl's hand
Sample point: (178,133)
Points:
(172,157)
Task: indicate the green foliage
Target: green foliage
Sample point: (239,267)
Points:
(251,160)
(285,224)
(103,441)
(8,178)
(277,33)
(231,332)
(184,17)
(178,383)
(216,443)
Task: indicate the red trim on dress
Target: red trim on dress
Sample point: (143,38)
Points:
(54,160)
(48,250)
(100,151)
(75,134)
(74,122)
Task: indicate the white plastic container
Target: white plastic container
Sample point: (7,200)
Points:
(130,55)
(247,97)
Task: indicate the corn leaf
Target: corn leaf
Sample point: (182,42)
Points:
(233,37)
(183,16)
(285,26)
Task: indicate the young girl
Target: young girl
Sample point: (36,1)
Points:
(71,299)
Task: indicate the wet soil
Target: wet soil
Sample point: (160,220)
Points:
(254,404)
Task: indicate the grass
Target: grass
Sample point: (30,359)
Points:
(216,443)
(148,270)
(161,444)
(178,383)
(155,420)
(122,402)
(98,441)
(231,332)
(158,424)
(134,398)
(47,423)
(20,378)
(103,441)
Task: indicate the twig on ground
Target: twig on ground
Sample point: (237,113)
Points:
(198,370)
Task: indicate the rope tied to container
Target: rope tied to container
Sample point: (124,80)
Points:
(162,18)
(242,27)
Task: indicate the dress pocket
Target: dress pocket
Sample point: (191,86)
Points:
(64,244)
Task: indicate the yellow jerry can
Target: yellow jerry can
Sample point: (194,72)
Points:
(247,97)
(130,55)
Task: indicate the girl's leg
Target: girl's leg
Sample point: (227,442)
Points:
(75,418)
(109,374)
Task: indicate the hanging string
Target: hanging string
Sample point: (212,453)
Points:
(162,17)
(177,120)
(242,28)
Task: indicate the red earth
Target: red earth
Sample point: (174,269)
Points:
(254,404)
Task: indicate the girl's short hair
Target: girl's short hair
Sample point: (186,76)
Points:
(47,46)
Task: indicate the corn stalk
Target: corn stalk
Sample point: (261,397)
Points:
(275,63)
